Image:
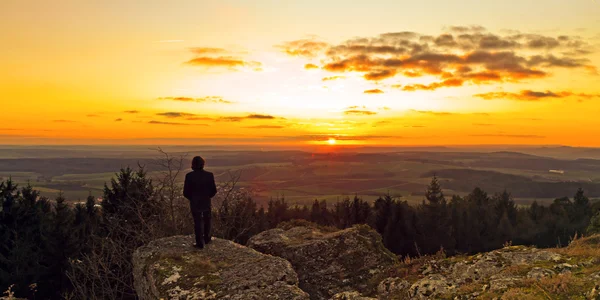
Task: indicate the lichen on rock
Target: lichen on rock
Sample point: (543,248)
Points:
(170,268)
(329,263)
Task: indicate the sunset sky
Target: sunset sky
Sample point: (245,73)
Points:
(393,72)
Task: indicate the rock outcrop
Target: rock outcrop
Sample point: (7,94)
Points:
(330,263)
(170,268)
(514,272)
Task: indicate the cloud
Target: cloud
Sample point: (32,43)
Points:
(310,66)
(207,50)
(433,86)
(216,58)
(206,99)
(464,29)
(373,91)
(332,78)
(359,112)
(433,113)
(265,127)
(173,114)
(248,117)
(174,123)
(463,55)
(92,115)
(222,61)
(529,95)
(118,120)
(131,112)
(63,121)
(303,47)
(259,116)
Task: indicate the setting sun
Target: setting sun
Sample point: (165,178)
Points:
(331,141)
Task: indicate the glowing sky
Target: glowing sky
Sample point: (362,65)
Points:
(394,72)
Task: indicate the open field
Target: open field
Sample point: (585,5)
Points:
(302,176)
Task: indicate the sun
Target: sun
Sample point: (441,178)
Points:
(331,141)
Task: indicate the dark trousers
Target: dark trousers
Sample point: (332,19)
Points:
(202,226)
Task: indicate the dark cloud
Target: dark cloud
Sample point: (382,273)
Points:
(118,120)
(463,55)
(248,117)
(131,112)
(173,114)
(259,116)
(373,91)
(529,95)
(359,112)
(174,123)
(207,99)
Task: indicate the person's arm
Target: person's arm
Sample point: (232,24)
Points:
(187,188)
(213,186)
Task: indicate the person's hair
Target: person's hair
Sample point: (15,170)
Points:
(197,163)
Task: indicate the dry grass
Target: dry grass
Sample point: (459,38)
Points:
(517,270)
(583,247)
(519,294)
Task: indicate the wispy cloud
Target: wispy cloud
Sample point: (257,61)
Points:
(529,95)
(359,112)
(174,123)
(175,114)
(206,99)
(373,91)
(131,112)
(303,47)
(332,78)
(209,57)
(310,66)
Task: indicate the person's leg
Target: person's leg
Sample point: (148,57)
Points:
(207,226)
(198,228)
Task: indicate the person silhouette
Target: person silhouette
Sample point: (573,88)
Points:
(199,187)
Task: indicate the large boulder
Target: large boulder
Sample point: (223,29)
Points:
(170,268)
(329,263)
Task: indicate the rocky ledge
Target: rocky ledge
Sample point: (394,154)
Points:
(170,268)
(311,263)
(513,272)
(329,263)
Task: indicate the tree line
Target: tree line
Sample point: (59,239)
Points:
(51,249)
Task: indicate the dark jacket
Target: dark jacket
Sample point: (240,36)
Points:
(199,187)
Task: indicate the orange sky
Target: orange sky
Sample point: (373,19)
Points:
(425,72)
